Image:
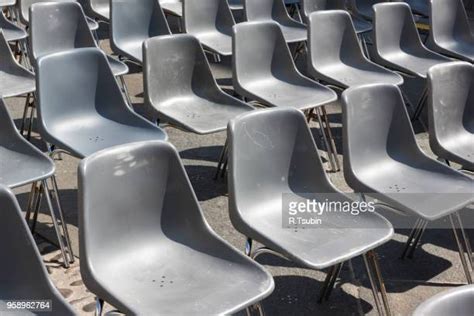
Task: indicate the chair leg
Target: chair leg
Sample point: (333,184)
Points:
(25,113)
(331,138)
(30,123)
(37,204)
(420,105)
(46,192)
(29,204)
(125,91)
(61,217)
(257,307)
(329,282)
(465,258)
(99,306)
(363,44)
(409,241)
(222,157)
(323,136)
(417,240)
(376,282)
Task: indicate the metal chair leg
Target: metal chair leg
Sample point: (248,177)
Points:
(125,91)
(61,216)
(37,204)
(325,140)
(462,254)
(417,239)
(25,113)
(332,141)
(55,222)
(329,282)
(29,204)
(222,157)
(376,282)
(257,307)
(99,306)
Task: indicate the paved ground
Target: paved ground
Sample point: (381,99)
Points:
(435,267)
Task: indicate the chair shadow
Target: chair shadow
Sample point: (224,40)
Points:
(206,153)
(204,185)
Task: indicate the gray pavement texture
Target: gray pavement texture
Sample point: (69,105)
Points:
(434,268)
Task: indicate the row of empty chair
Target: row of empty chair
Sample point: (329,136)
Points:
(83,111)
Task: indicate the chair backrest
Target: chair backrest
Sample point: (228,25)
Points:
(448,22)
(164,55)
(260,51)
(450,101)
(376,130)
(157,203)
(264,10)
(9,135)
(58,26)
(310,6)
(271,152)
(363,6)
(395,29)
(88,88)
(8,62)
(332,40)
(134,20)
(24,8)
(207,15)
(23,273)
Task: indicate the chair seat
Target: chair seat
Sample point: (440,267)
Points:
(219,43)
(458,301)
(16,84)
(431,191)
(20,165)
(87,135)
(118,68)
(11,31)
(461,50)
(132,49)
(361,25)
(294,33)
(202,116)
(303,94)
(368,73)
(205,279)
(173,8)
(103,11)
(415,64)
(339,238)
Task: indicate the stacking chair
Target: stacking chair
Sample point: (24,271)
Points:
(11,31)
(211,22)
(61,26)
(100,9)
(273,159)
(15,80)
(173,7)
(309,6)
(132,22)
(458,301)
(398,45)
(85,111)
(24,7)
(171,262)
(23,164)
(382,158)
(191,98)
(275,11)
(450,31)
(264,71)
(335,55)
(363,8)
(22,273)
(451,112)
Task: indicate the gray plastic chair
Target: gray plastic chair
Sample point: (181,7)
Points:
(211,22)
(171,262)
(85,111)
(22,164)
(133,22)
(15,80)
(267,162)
(62,26)
(11,31)
(310,6)
(458,301)
(450,31)
(275,11)
(451,112)
(397,42)
(263,69)
(24,9)
(190,98)
(382,157)
(23,274)
(173,7)
(363,8)
(100,9)
(335,54)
